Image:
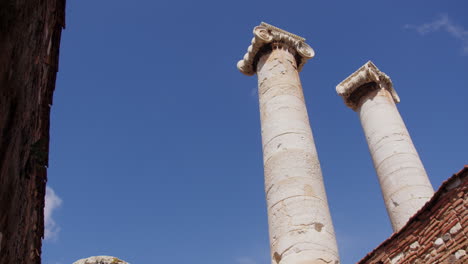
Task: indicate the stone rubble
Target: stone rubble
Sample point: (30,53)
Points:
(100,260)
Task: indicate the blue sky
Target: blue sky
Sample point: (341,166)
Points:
(155,152)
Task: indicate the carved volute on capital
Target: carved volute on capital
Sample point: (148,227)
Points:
(365,79)
(264,36)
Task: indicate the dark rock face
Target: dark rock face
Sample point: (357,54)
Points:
(29,46)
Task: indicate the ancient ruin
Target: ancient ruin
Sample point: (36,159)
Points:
(300,225)
(429,228)
(403,179)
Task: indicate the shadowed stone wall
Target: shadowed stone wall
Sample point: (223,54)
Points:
(29,46)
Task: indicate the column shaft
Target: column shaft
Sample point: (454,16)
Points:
(403,179)
(300,225)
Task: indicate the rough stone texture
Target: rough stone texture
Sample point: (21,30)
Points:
(368,73)
(300,225)
(100,260)
(264,36)
(403,179)
(301,229)
(29,43)
(438,233)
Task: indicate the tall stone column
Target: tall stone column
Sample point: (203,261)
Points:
(300,225)
(403,179)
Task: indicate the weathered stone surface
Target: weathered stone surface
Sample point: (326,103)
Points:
(368,73)
(100,260)
(264,36)
(29,44)
(300,225)
(403,179)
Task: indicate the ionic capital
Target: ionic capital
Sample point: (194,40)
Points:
(264,36)
(362,81)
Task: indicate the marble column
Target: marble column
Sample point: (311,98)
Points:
(300,225)
(403,179)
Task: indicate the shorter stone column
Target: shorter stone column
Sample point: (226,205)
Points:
(403,179)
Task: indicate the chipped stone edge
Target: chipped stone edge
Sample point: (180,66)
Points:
(265,34)
(99,259)
(366,74)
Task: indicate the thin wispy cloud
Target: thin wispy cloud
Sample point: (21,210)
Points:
(443,23)
(253,92)
(52,202)
(245,260)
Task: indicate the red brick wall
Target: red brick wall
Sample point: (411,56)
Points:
(436,234)
(29,43)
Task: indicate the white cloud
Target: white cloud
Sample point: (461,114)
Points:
(245,260)
(52,202)
(443,23)
(253,92)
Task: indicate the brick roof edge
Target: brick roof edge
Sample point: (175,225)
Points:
(463,173)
